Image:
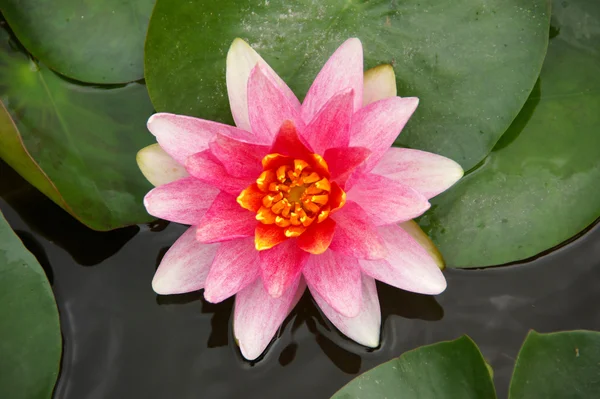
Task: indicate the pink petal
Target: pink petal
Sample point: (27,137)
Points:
(185,265)
(299,292)
(226,220)
(412,228)
(386,201)
(239,159)
(183,201)
(428,173)
(377,125)
(343,162)
(158,166)
(331,126)
(268,106)
(408,265)
(235,266)
(257,316)
(181,136)
(205,167)
(241,60)
(363,328)
(337,279)
(288,143)
(317,238)
(281,266)
(356,235)
(343,71)
(379,83)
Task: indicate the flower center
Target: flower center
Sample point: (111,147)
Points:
(292,193)
(295,195)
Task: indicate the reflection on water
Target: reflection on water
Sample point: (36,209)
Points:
(122,340)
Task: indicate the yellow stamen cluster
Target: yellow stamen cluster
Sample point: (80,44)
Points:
(296,197)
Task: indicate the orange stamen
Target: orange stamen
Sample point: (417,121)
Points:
(294,231)
(290,195)
(264,215)
(320,199)
(265,179)
(323,214)
(281,171)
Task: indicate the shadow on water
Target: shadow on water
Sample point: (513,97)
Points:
(34,246)
(44,217)
(408,304)
(306,315)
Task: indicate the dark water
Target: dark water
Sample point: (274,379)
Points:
(124,341)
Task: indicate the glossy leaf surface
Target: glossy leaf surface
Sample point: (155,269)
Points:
(471,63)
(561,365)
(97,41)
(539,187)
(453,369)
(30,344)
(75,143)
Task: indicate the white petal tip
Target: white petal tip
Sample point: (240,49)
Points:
(412,228)
(438,287)
(369,340)
(352,45)
(379,83)
(211,297)
(432,284)
(141,159)
(454,172)
(154,119)
(238,43)
(161,121)
(159,288)
(151,119)
(207,296)
(250,355)
(426,206)
(157,166)
(147,202)
(459,171)
(383,69)
(162,286)
(239,49)
(412,101)
(353,41)
(250,352)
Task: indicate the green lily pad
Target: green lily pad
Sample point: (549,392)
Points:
(539,186)
(471,63)
(30,344)
(454,369)
(75,143)
(98,41)
(560,365)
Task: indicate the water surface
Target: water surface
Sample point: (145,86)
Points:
(124,341)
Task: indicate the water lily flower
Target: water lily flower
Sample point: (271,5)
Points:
(298,194)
